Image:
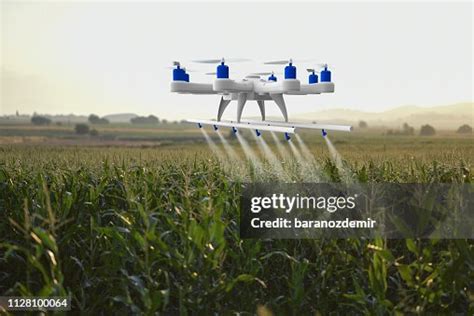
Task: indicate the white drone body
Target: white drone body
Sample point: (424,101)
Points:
(253,88)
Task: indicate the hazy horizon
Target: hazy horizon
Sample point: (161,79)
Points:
(315,110)
(98,57)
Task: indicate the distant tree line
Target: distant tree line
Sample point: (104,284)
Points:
(427,130)
(150,119)
(464,129)
(94,119)
(83,129)
(40,120)
(407,130)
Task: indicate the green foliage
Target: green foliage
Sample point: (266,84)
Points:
(150,119)
(40,120)
(464,129)
(427,130)
(81,129)
(135,231)
(363,124)
(94,119)
(407,130)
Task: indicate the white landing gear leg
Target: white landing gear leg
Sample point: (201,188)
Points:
(240,105)
(278,98)
(261,105)
(222,106)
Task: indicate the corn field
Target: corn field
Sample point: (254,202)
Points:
(156,231)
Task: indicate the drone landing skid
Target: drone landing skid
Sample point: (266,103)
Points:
(242,99)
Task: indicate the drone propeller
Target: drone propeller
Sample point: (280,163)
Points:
(287,61)
(266,73)
(177,64)
(262,73)
(211,73)
(220,60)
(184,68)
(253,76)
(318,67)
(279,62)
(324,66)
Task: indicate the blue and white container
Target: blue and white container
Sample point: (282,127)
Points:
(223,71)
(325,75)
(290,71)
(179,74)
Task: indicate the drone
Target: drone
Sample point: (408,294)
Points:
(254,88)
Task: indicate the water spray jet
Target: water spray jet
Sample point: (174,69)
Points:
(346,173)
(275,164)
(220,155)
(249,153)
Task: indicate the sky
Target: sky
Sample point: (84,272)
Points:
(62,57)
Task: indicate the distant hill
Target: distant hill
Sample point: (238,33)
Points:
(120,117)
(448,117)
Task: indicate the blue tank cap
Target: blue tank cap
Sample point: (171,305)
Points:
(325,75)
(222,71)
(179,74)
(290,71)
(272,78)
(313,78)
